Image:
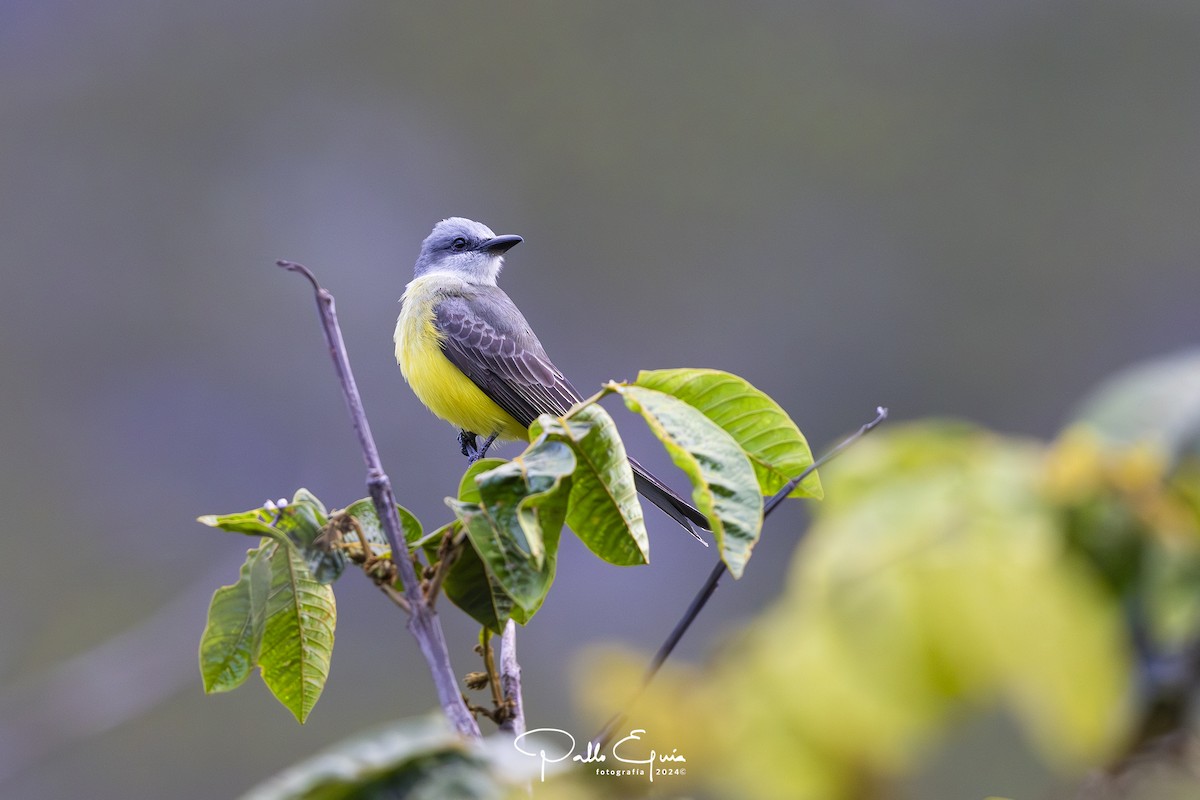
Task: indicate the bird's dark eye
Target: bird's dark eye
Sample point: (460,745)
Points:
(459,244)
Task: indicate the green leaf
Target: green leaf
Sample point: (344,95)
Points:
(603,510)
(298,523)
(724,487)
(772,442)
(255,522)
(546,512)
(516,525)
(297,641)
(277,617)
(415,758)
(236,617)
(304,518)
(468,489)
(364,511)
(430,542)
(468,584)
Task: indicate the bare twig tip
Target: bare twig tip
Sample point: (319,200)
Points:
(292,266)
(423,622)
(881,414)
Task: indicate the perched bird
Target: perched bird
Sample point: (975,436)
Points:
(469,355)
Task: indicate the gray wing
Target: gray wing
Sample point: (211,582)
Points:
(487,337)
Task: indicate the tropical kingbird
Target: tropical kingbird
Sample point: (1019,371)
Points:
(472,359)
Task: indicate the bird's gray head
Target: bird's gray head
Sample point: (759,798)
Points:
(464,248)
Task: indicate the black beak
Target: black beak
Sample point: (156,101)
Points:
(500,244)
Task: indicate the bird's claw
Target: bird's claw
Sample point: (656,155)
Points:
(467,444)
(470,445)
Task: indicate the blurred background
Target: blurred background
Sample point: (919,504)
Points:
(967,209)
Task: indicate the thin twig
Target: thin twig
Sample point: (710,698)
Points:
(601,739)
(510,681)
(489,665)
(448,552)
(423,622)
(396,597)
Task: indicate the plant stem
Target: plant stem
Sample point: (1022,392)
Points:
(423,622)
(510,681)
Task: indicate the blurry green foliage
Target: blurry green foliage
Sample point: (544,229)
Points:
(414,758)
(949,571)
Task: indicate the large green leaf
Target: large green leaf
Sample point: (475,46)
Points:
(414,758)
(603,511)
(772,442)
(277,617)
(545,512)
(517,522)
(297,641)
(468,489)
(236,619)
(724,486)
(468,584)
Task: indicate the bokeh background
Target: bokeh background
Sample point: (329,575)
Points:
(968,209)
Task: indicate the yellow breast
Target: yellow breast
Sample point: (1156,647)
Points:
(437,383)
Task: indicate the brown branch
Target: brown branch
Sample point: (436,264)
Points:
(423,622)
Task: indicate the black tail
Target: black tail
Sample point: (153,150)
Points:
(661,495)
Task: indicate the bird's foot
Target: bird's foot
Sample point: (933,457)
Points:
(470,445)
(467,443)
(486,444)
